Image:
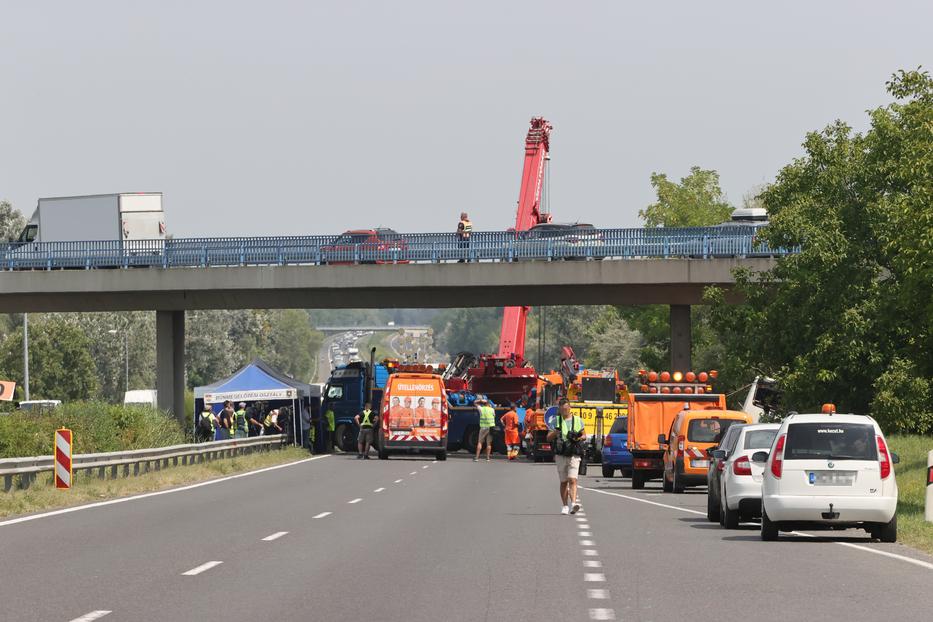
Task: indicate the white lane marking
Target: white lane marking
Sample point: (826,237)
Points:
(433,461)
(592,563)
(413,473)
(581,520)
(591,552)
(602,614)
(597,594)
(201,569)
(94,615)
(398,481)
(274,536)
(594,577)
(211,482)
(425,466)
(860,547)
(587,543)
(321,515)
(585,534)
(379,490)
(355,501)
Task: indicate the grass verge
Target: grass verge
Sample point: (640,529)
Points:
(41,496)
(912,529)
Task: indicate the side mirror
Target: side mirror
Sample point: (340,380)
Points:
(662,440)
(760,456)
(718,454)
(895,459)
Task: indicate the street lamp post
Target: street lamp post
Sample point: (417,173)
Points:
(26,355)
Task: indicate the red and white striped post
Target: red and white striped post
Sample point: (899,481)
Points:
(63,458)
(929,499)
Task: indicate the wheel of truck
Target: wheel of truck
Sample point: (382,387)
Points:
(441,456)
(638,480)
(666,484)
(607,470)
(343,436)
(676,485)
(383,454)
(471,437)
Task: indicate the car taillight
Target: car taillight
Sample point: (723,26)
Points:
(607,442)
(680,446)
(720,466)
(777,460)
(742,466)
(884,458)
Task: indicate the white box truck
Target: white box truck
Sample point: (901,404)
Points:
(97,218)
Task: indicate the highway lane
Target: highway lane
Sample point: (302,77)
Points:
(413,539)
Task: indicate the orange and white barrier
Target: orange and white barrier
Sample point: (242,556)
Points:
(63,443)
(929,500)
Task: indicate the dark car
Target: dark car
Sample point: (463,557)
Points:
(717,460)
(615,449)
(562,240)
(365,246)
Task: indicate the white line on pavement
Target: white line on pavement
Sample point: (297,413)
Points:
(597,594)
(903,558)
(587,543)
(413,473)
(98,504)
(357,500)
(592,563)
(379,490)
(94,615)
(594,577)
(425,466)
(274,536)
(321,515)
(201,569)
(585,534)
(602,614)
(398,481)
(591,552)
(581,520)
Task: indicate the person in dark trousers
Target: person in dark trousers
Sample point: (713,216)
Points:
(225,422)
(464,229)
(367,421)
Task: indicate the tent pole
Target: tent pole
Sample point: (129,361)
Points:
(294,427)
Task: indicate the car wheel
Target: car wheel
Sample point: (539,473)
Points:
(442,456)
(638,480)
(383,454)
(666,484)
(769,531)
(676,485)
(722,503)
(712,507)
(886,532)
(730,518)
(608,470)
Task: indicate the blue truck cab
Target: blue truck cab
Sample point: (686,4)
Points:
(347,390)
(616,455)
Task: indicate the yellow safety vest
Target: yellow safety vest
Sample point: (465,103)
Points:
(465,228)
(365,419)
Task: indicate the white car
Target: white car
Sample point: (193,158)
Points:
(829,471)
(740,479)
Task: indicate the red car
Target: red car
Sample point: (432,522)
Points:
(365,246)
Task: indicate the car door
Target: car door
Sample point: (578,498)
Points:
(718,465)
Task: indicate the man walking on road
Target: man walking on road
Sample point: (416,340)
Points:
(487,423)
(367,421)
(510,425)
(567,439)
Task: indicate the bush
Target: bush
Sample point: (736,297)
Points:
(903,399)
(97,427)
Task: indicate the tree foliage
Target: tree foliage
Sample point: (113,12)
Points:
(849,319)
(697,201)
(12,222)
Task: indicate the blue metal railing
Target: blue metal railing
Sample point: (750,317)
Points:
(704,242)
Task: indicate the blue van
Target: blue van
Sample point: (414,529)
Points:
(615,449)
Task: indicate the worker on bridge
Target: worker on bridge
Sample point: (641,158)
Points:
(464,229)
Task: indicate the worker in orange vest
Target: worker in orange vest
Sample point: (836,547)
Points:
(510,425)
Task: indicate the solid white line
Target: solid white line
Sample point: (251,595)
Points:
(201,569)
(398,481)
(94,615)
(321,515)
(591,552)
(597,594)
(357,500)
(587,543)
(602,614)
(379,490)
(592,563)
(594,577)
(860,547)
(98,504)
(274,536)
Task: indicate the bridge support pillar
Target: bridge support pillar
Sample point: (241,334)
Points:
(170,364)
(681,338)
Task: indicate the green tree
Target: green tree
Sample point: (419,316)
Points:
(849,319)
(12,222)
(293,343)
(697,201)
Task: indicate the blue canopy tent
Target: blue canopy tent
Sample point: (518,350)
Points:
(255,382)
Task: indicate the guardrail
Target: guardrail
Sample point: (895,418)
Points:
(634,243)
(141,460)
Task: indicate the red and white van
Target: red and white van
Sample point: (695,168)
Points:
(414,415)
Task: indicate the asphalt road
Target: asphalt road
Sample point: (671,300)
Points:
(411,539)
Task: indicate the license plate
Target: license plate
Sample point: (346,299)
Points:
(832,478)
(699,464)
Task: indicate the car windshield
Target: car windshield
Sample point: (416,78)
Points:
(335,393)
(708,430)
(837,441)
(759,439)
(352,238)
(619,426)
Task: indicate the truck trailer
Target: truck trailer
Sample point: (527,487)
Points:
(96,218)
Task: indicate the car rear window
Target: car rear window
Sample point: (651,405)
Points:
(619,426)
(759,439)
(836,441)
(708,430)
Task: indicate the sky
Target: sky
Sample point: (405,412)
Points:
(289,118)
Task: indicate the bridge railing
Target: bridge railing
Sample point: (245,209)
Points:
(700,242)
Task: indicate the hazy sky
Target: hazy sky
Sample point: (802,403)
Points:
(313,117)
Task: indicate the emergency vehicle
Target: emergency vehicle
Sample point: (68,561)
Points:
(414,415)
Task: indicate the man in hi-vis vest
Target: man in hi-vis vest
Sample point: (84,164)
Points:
(464,229)
(367,421)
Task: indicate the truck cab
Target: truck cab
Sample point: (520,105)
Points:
(347,390)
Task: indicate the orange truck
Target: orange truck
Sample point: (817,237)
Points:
(652,410)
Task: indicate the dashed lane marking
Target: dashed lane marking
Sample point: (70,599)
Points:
(594,577)
(425,466)
(354,501)
(274,536)
(598,594)
(201,568)
(398,481)
(591,552)
(587,543)
(602,614)
(321,515)
(379,490)
(592,563)
(413,473)
(585,534)
(94,615)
